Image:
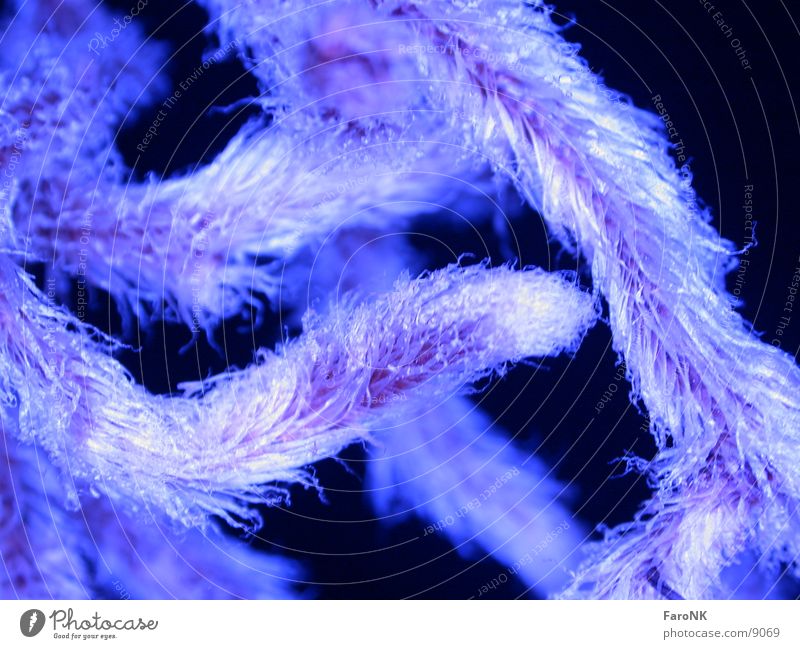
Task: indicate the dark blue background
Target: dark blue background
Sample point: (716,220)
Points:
(641,51)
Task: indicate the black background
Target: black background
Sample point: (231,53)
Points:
(739,127)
